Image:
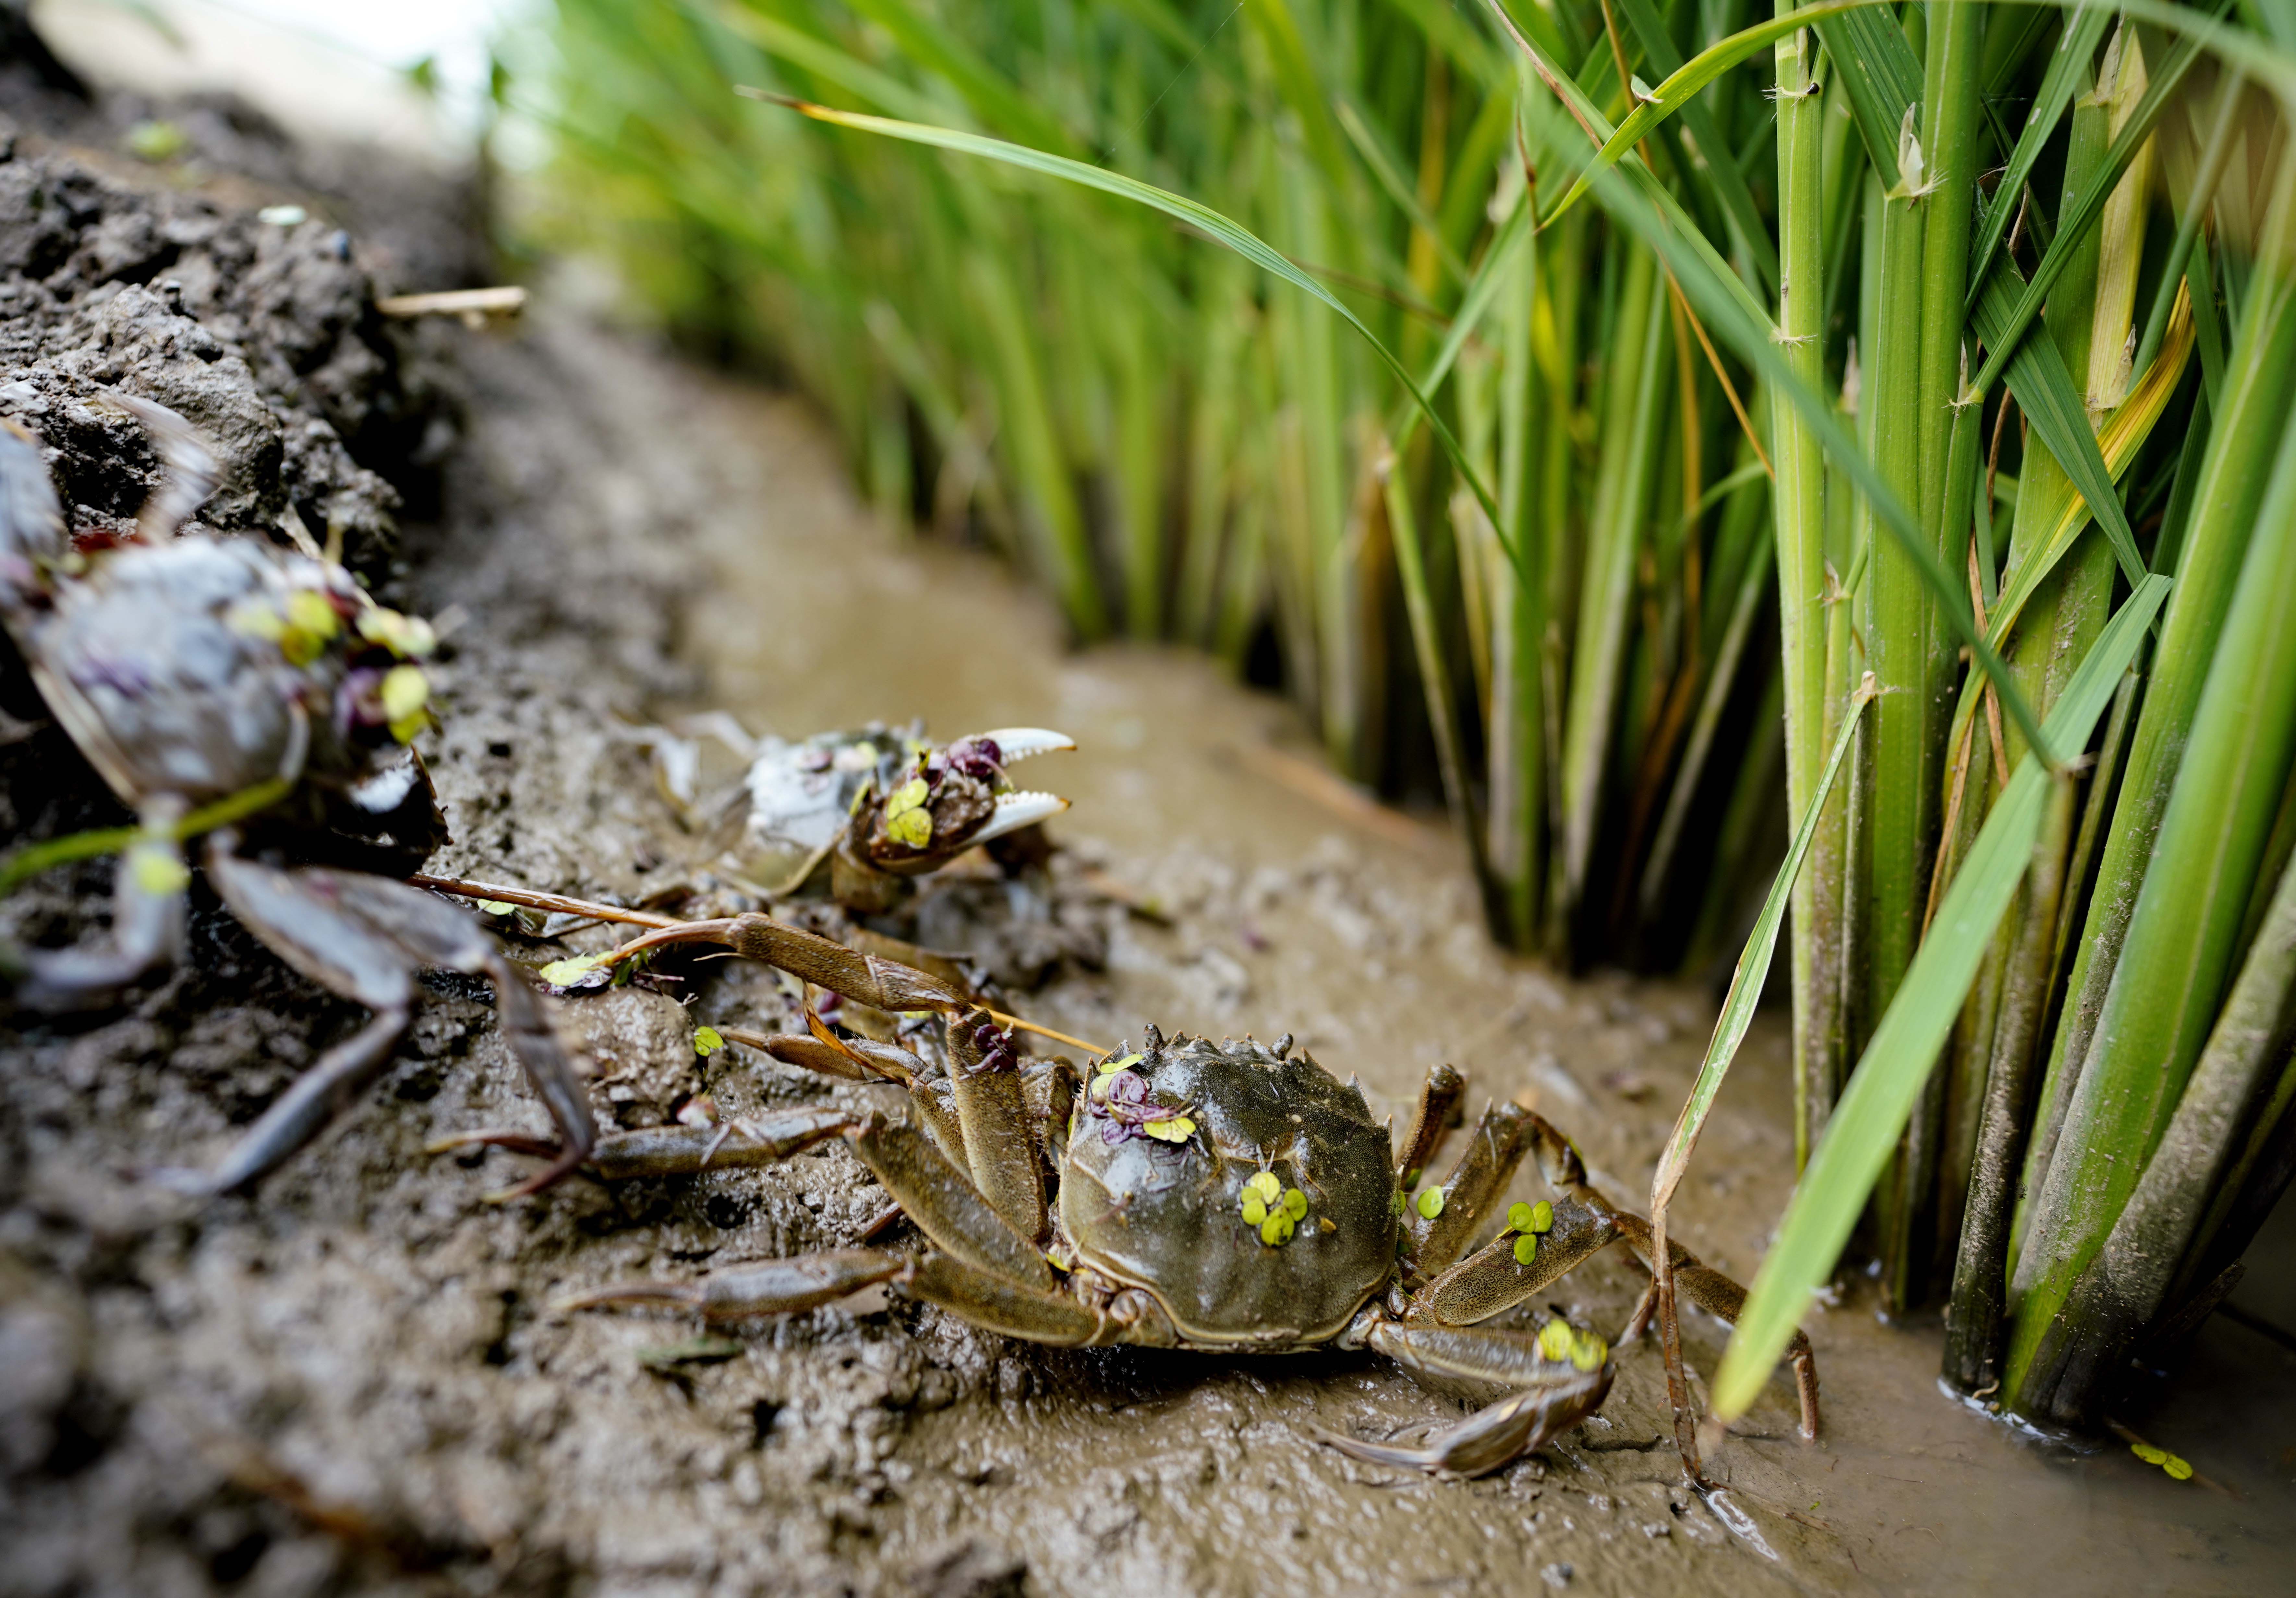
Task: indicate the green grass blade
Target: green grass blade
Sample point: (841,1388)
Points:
(1435,677)
(1752,971)
(991,95)
(1884,79)
(1202,217)
(1721,171)
(2081,212)
(1683,86)
(1388,173)
(2175,965)
(1721,299)
(1879,74)
(2075,50)
(1863,1131)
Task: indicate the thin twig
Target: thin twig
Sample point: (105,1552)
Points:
(526,899)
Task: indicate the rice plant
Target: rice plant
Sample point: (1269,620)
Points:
(1876,433)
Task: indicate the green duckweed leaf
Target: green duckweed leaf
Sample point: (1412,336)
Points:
(582,971)
(913,828)
(707,1041)
(1526,1248)
(1431,1203)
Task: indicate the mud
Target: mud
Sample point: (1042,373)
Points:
(354,1381)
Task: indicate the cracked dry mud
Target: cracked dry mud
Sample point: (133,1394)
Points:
(353,1380)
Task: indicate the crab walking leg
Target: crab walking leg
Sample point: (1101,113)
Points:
(1050,1087)
(435,933)
(1439,1097)
(750,1141)
(987,1299)
(773,1287)
(884,984)
(944,1205)
(1720,1296)
(1724,1298)
(1552,1397)
(147,927)
(933,1106)
(362,937)
(992,1114)
(1441,1231)
(1495,1279)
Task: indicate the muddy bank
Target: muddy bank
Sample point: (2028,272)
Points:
(353,1381)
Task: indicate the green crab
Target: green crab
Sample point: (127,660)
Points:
(1228,1198)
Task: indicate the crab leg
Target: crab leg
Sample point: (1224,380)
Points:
(882,983)
(362,937)
(985,1298)
(741,1144)
(773,1287)
(1439,1098)
(1552,1397)
(1709,1289)
(1492,1280)
(992,1114)
(1485,1167)
(147,927)
(944,1205)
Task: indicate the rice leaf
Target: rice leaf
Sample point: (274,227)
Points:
(1752,970)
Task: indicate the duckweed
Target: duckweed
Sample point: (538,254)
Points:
(1587,1351)
(1274,1209)
(1431,1203)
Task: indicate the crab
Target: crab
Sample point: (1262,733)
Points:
(882,806)
(226,685)
(1229,1198)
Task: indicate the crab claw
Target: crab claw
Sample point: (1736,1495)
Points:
(1020,743)
(1016,811)
(1022,807)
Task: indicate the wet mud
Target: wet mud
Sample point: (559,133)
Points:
(354,1381)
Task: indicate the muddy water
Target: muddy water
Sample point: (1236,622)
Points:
(1130,1471)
